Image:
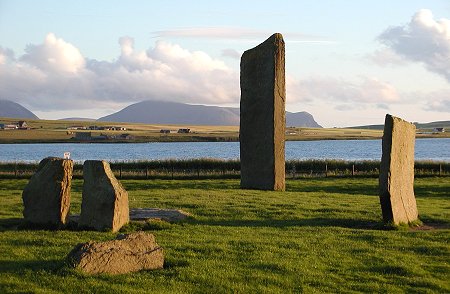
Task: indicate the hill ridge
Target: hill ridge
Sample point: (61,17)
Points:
(167,112)
(15,110)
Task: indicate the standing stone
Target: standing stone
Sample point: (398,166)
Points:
(262,123)
(105,202)
(398,203)
(46,197)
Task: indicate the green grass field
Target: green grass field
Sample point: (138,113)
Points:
(321,235)
(51,131)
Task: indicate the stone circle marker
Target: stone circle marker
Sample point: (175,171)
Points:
(127,253)
(104,203)
(46,197)
(396,182)
(262,116)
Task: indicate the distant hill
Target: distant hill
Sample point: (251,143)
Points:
(15,110)
(435,124)
(301,119)
(431,125)
(159,112)
(78,119)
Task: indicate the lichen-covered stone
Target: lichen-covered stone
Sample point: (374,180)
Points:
(46,197)
(127,253)
(262,111)
(396,183)
(104,203)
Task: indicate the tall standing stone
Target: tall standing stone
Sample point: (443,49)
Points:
(262,122)
(398,203)
(105,202)
(46,197)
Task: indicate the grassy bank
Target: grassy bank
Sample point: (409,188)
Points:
(215,168)
(55,131)
(321,235)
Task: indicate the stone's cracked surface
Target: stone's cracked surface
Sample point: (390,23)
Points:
(127,253)
(396,182)
(105,202)
(263,122)
(46,197)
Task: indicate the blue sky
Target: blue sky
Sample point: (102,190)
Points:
(348,62)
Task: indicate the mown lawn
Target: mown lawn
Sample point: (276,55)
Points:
(321,235)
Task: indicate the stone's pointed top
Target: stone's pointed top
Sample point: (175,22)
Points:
(276,40)
(277,36)
(44,161)
(390,118)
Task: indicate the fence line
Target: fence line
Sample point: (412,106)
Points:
(212,168)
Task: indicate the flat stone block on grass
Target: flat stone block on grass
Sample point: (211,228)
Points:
(46,197)
(396,182)
(262,111)
(127,253)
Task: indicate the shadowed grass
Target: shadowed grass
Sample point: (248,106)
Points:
(321,235)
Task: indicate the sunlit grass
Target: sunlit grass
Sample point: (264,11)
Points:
(321,235)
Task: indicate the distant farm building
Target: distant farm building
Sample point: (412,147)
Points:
(10,127)
(76,128)
(83,136)
(184,131)
(112,128)
(439,130)
(22,125)
(126,137)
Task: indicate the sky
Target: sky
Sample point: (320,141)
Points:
(348,62)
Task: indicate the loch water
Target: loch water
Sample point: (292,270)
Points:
(425,149)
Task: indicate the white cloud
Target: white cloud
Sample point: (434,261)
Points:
(437,101)
(366,92)
(441,105)
(423,40)
(231,53)
(55,76)
(387,56)
(54,55)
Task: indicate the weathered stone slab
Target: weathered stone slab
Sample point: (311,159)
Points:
(46,197)
(127,253)
(396,183)
(169,215)
(262,121)
(105,202)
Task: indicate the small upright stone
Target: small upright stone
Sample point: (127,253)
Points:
(105,202)
(46,197)
(398,203)
(262,122)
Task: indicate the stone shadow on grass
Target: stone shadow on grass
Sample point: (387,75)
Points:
(214,184)
(338,188)
(11,224)
(432,192)
(35,265)
(308,222)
